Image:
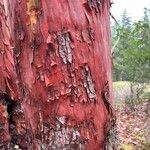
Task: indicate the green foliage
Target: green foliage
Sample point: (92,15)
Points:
(132,52)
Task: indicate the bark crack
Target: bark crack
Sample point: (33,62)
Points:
(95,4)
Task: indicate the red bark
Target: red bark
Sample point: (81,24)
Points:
(55,68)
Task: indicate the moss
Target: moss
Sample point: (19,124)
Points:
(127,147)
(121,84)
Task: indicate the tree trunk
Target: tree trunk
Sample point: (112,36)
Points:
(55,74)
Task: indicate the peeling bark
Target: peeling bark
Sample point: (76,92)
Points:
(55,74)
(89,84)
(65,49)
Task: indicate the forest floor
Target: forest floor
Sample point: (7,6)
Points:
(133,126)
(133,118)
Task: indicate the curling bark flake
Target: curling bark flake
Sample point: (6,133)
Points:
(55,65)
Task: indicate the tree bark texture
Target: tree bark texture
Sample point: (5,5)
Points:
(55,74)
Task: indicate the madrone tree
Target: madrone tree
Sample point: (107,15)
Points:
(55,74)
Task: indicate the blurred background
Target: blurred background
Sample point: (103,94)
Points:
(130,25)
